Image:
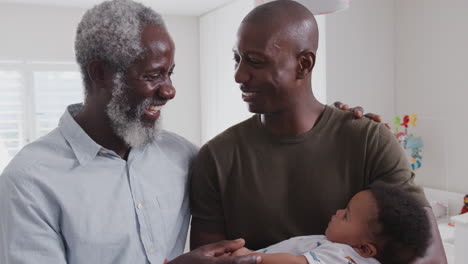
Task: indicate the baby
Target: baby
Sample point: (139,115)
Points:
(379,225)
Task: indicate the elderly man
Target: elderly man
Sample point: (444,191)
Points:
(107,185)
(285,171)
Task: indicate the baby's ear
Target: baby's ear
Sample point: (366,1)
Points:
(366,250)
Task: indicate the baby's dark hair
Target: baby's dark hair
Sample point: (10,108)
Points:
(404,232)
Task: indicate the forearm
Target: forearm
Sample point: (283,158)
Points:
(217,253)
(281,258)
(435,253)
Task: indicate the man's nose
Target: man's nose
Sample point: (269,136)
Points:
(167,91)
(241,75)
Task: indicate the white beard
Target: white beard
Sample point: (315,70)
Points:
(126,120)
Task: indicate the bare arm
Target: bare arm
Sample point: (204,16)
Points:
(275,258)
(217,253)
(435,253)
(281,258)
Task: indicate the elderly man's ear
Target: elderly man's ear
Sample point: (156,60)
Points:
(306,61)
(100,74)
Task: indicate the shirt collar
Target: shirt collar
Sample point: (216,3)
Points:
(83,146)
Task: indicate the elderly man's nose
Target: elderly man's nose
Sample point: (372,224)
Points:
(167,92)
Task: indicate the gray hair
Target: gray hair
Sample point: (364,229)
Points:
(111,32)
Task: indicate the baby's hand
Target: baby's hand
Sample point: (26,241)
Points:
(242,252)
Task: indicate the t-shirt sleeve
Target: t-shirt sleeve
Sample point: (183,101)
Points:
(387,162)
(205,197)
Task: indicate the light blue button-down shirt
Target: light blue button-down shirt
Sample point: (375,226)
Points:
(66,199)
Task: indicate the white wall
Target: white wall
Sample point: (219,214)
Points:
(431,80)
(183,114)
(360,56)
(221,101)
(38,33)
(404,57)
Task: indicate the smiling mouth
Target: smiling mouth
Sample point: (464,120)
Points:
(248,96)
(153,111)
(154,108)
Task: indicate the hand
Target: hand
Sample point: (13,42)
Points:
(216,254)
(242,252)
(358,112)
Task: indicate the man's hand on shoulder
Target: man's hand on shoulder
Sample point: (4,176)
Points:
(217,253)
(358,112)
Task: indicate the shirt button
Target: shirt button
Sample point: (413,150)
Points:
(150,251)
(139,206)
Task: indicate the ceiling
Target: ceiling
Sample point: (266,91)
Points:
(171,7)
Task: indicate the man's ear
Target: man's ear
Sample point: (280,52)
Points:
(99,73)
(366,250)
(306,61)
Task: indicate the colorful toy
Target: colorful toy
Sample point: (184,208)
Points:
(465,206)
(414,145)
(413,119)
(411,144)
(396,123)
(405,121)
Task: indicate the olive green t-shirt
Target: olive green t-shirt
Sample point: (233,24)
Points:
(248,183)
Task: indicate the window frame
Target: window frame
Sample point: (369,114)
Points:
(26,69)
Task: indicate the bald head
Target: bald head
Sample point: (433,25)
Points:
(286,20)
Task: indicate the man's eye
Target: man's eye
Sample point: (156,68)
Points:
(346,215)
(152,77)
(255,61)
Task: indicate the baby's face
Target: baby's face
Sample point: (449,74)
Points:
(351,225)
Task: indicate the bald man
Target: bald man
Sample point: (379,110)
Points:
(285,171)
